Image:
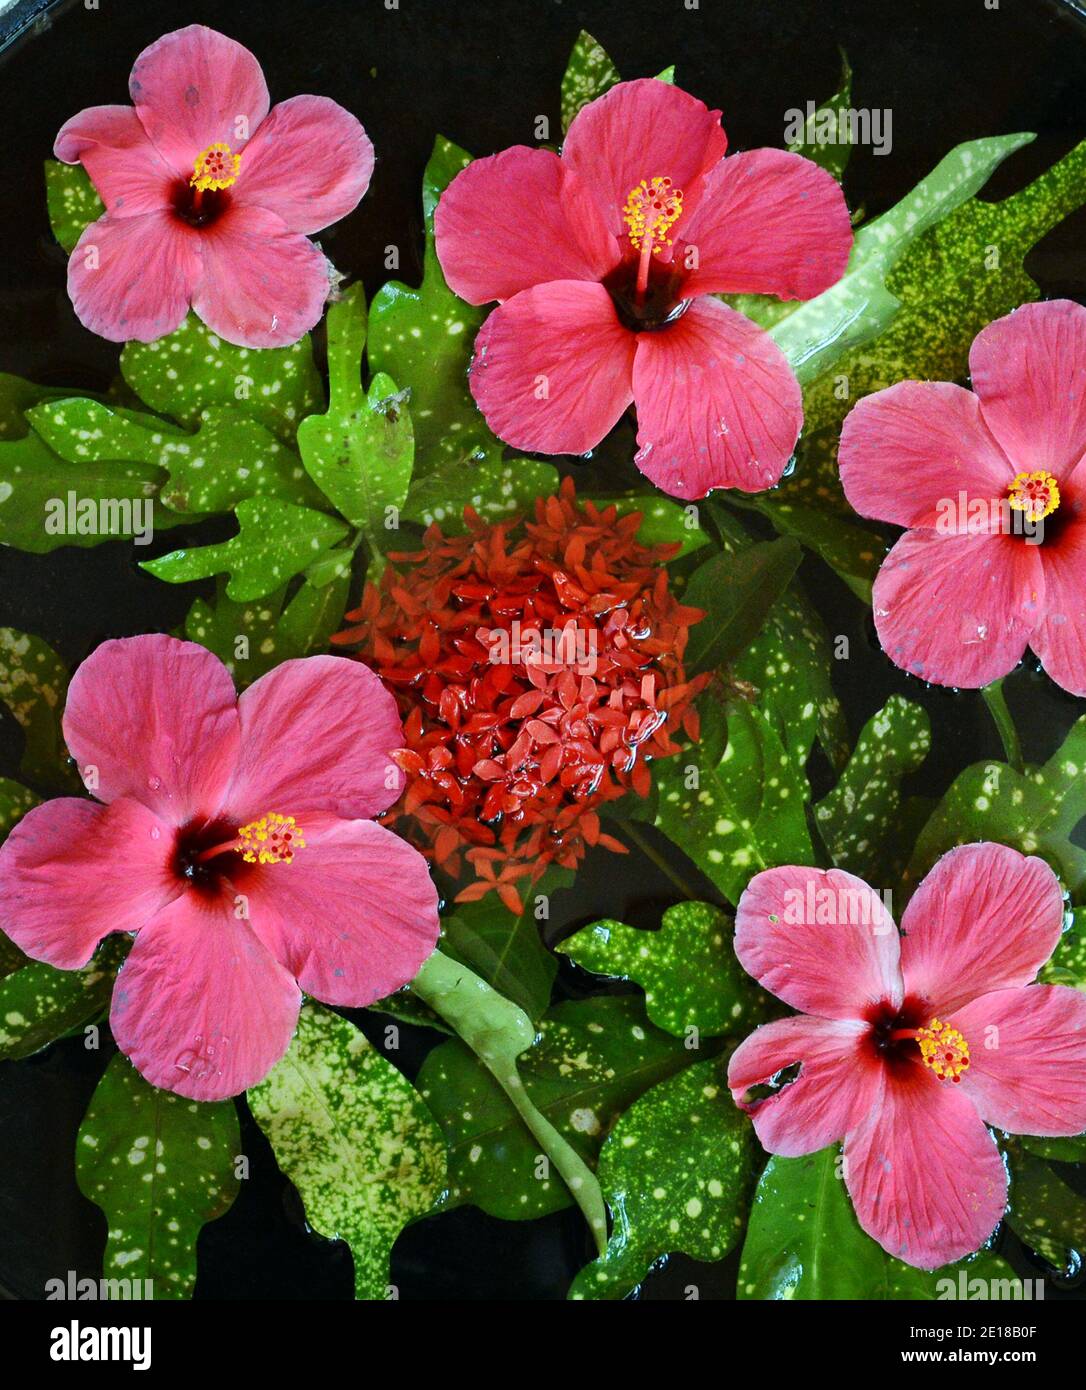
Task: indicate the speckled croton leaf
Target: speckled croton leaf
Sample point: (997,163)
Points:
(676,1172)
(17,396)
(190,369)
(589,73)
(424,337)
(250,638)
(662,520)
(230,456)
(495,488)
(736,592)
(737,811)
(861,821)
(39,1004)
(34,686)
(160,1167)
(688,969)
(72,200)
(361,452)
(804,1243)
(592,1059)
(788,666)
(1034,811)
(276,541)
(354,1138)
(1046,1212)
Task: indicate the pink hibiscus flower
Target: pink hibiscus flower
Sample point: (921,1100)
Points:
(210,198)
(232,845)
(605,262)
(909,1046)
(991,483)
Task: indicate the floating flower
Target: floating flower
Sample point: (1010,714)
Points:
(909,1046)
(605,262)
(538,667)
(991,484)
(210,198)
(233,845)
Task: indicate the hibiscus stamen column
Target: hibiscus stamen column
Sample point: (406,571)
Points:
(271,839)
(651,208)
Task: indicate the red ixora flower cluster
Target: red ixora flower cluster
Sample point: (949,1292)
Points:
(538,664)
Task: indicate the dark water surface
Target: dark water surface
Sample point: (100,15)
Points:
(479,72)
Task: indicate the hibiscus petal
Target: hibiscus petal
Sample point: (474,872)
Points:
(1029,370)
(1059,640)
(352,916)
(924,1174)
(157,720)
(908,449)
(518,219)
(200,1006)
(125,167)
(316,735)
(262,284)
(717,404)
(769,222)
(310,162)
(195,87)
(958,610)
(132,278)
(552,368)
(985,918)
(72,871)
(837,1084)
(819,939)
(1027,1058)
(643,130)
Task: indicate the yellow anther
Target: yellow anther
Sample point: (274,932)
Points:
(217,167)
(1037,494)
(273,839)
(651,208)
(943,1049)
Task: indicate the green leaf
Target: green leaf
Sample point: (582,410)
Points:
(849,547)
(1046,1213)
(252,637)
(354,1138)
(676,1172)
(495,488)
(34,686)
(160,1167)
(37,486)
(1068,963)
(17,396)
(589,73)
(831,153)
(39,1004)
(229,457)
(737,592)
(740,812)
(804,1243)
(688,969)
(425,337)
(1071,1150)
(505,951)
(591,1060)
(663,522)
(860,306)
(72,200)
(187,371)
(276,541)
(1034,812)
(860,820)
(361,452)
